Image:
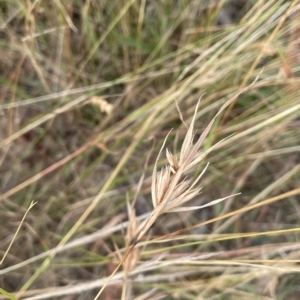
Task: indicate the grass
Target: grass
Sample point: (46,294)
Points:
(89,95)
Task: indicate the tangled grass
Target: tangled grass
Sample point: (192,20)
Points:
(89,93)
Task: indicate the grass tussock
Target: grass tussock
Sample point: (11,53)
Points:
(90,91)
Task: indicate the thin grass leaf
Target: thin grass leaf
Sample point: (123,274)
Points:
(204,134)
(180,209)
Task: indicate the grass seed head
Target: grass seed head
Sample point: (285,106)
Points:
(168,191)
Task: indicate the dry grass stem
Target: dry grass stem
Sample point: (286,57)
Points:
(18,229)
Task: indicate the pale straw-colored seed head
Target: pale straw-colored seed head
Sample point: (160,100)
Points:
(170,191)
(169,187)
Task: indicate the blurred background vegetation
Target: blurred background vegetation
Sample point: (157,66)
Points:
(88,94)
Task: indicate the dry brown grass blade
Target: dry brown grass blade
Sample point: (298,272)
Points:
(18,229)
(204,134)
(241,210)
(48,117)
(138,78)
(94,203)
(259,57)
(264,193)
(46,171)
(115,271)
